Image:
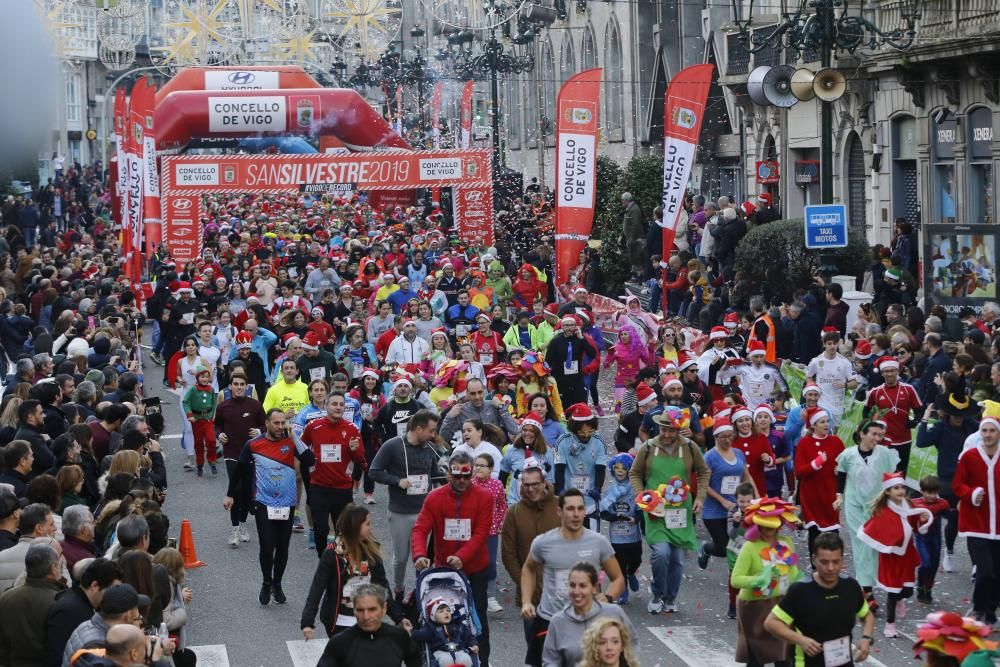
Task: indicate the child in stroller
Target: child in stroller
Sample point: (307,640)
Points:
(451,642)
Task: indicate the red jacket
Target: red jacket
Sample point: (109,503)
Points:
(329,442)
(442,505)
(975,471)
(681,282)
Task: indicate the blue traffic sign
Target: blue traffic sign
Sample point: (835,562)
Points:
(826,226)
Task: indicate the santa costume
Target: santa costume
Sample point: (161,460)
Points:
(816,472)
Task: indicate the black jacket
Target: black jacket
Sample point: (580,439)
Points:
(44,458)
(327,584)
(71,608)
(386,647)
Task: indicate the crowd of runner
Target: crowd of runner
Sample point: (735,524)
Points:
(319,348)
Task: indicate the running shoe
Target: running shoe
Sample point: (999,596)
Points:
(731,613)
(623,598)
(890,630)
(188,466)
(654,606)
(703,555)
(234,537)
(633,583)
(201,471)
(214,469)
(493,606)
(279,595)
(947,562)
(369,499)
(244,535)
(670,607)
(265,593)
(297,524)
(311,539)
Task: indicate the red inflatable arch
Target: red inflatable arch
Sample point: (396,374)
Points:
(231,78)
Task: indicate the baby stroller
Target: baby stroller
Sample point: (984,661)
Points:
(453,588)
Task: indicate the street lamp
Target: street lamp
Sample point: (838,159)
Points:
(816,26)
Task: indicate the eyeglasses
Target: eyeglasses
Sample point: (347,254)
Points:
(669,334)
(530,485)
(482,465)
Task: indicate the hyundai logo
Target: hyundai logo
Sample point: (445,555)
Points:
(242,78)
(182,204)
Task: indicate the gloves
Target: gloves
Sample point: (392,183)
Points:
(977,496)
(762,579)
(817,462)
(595,494)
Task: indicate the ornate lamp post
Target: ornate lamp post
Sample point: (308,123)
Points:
(825,26)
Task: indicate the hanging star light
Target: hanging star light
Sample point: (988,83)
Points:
(362,27)
(195,32)
(300,44)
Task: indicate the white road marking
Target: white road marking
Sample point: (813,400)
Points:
(177,436)
(305,654)
(696,645)
(211,655)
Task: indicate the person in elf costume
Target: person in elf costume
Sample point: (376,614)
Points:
(890,533)
(765,567)
(199,407)
(947,639)
(536,379)
(618,507)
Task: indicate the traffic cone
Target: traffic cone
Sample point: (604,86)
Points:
(187,546)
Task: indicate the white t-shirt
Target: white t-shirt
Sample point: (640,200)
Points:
(827,372)
(483,448)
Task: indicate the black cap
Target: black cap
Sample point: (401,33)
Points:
(119,598)
(9,503)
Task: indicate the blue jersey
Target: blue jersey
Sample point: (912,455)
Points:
(581,461)
(274,470)
(724,479)
(512,463)
(619,500)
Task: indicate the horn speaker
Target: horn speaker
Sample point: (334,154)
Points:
(829,85)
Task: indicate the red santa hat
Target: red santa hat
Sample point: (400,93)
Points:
(810,386)
(720,409)
(863,350)
(532,419)
(989,420)
(764,198)
(400,380)
(886,363)
(317,311)
(688,363)
(184,287)
(731,320)
(570,319)
(434,605)
(311,341)
(371,372)
(252,298)
(671,382)
(813,415)
(484,316)
(764,409)
(722,425)
(891,479)
(244,340)
(552,309)
(741,411)
(580,412)
(288,338)
(643,394)
(755,348)
(827,330)
(667,367)
(718,332)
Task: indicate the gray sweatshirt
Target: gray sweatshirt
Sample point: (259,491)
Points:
(564,642)
(395,461)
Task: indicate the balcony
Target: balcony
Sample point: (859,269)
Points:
(942,19)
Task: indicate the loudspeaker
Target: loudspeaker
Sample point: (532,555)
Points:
(802,84)
(755,85)
(829,85)
(777,86)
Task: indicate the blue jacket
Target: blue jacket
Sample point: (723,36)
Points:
(399,298)
(260,344)
(949,442)
(936,364)
(807,329)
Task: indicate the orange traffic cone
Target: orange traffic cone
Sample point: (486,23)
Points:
(187,546)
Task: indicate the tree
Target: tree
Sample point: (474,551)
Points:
(774,260)
(643,178)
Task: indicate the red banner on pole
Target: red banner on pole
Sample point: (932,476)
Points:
(473,212)
(134,141)
(683,112)
(576,167)
(121,109)
(152,224)
(466,111)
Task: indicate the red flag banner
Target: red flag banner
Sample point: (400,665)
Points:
(121,110)
(134,140)
(576,167)
(683,112)
(151,223)
(466,115)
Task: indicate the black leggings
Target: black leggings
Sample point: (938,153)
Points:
(273,537)
(593,391)
(371,446)
(325,506)
(241,503)
(717,530)
(892,599)
(950,515)
(629,556)
(904,456)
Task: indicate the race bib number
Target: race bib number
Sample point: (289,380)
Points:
(317,373)
(278,513)
(461,330)
(366,411)
(352,585)
(356,371)
(187,318)
(571,367)
(401,429)
(581,482)
(330,454)
(419,485)
(676,518)
(458,530)
(837,652)
(562,584)
(622,529)
(486,359)
(729,484)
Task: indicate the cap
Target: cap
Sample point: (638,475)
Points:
(9,503)
(119,598)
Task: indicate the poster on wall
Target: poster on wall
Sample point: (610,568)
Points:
(961,265)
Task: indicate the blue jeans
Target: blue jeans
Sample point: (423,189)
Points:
(29,236)
(667,562)
(492,543)
(929,548)
(156,335)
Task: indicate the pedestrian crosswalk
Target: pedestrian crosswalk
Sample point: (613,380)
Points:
(300,653)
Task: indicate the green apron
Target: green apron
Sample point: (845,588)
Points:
(662,469)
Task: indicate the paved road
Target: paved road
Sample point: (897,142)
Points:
(229,627)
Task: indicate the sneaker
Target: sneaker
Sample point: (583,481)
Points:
(949,566)
(188,466)
(600,411)
(297,524)
(215,470)
(731,613)
(633,583)
(399,595)
(369,499)
(244,535)
(890,630)
(493,606)
(703,555)
(234,537)
(201,471)
(311,539)
(670,607)
(654,606)
(279,595)
(265,593)
(901,609)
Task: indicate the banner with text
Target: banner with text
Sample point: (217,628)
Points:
(466,115)
(683,113)
(473,212)
(121,110)
(135,123)
(576,167)
(151,224)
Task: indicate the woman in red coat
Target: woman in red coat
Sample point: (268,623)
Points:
(816,471)
(890,533)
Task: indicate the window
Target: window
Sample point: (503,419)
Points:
(614,97)
(549,92)
(979,145)
(905,202)
(567,63)
(513,115)
(589,49)
(944,131)
(74,89)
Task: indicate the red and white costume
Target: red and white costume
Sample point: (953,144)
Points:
(977,487)
(817,479)
(890,533)
(895,402)
(488,345)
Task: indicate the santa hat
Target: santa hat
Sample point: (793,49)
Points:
(198,280)
(552,309)
(764,409)
(810,386)
(252,298)
(401,380)
(764,198)
(184,287)
(989,420)
(740,412)
(886,364)
(288,338)
(731,320)
(311,341)
(722,425)
(317,311)
(484,316)
(756,348)
(434,605)
(580,290)
(688,363)
(720,409)
(244,340)
(667,367)
(891,479)
(863,350)
(718,332)
(643,394)
(532,419)
(570,319)
(671,382)
(580,412)
(813,415)
(748,208)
